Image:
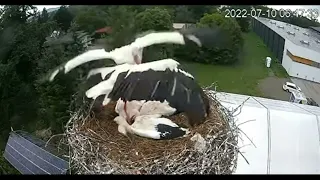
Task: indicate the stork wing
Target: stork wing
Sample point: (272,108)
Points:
(159,38)
(209,36)
(91,55)
(204,36)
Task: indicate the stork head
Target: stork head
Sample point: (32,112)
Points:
(137,55)
(132,110)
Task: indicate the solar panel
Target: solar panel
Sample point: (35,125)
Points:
(28,155)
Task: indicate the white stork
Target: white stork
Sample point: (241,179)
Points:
(144,119)
(164,81)
(132,53)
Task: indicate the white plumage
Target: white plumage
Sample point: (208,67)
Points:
(106,86)
(130,54)
(144,119)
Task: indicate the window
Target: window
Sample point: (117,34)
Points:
(293,87)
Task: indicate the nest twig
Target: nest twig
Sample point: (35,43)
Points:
(96,146)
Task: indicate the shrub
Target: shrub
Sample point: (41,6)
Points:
(215,55)
(154,19)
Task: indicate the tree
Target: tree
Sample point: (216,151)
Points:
(20,47)
(55,97)
(242,21)
(122,21)
(199,10)
(157,19)
(230,26)
(90,20)
(226,53)
(63,17)
(183,15)
(15,14)
(44,17)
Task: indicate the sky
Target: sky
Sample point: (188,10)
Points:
(40,7)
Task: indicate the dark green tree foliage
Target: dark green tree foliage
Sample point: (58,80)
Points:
(91,19)
(183,15)
(242,18)
(5,167)
(121,20)
(63,17)
(44,17)
(21,42)
(25,102)
(55,97)
(226,55)
(230,26)
(156,19)
(15,14)
(199,10)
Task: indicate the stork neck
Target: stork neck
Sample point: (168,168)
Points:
(128,119)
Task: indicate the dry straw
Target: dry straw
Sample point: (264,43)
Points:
(96,146)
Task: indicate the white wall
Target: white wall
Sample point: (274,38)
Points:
(294,143)
(299,70)
(302,51)
(305,72)
(293,147)
(286,61)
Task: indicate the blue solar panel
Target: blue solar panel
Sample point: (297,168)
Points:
(28,155)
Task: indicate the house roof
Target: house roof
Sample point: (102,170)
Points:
(315,28)
(301,34)
(285,135)
(106,29)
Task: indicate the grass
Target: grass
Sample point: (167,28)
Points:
(243,77)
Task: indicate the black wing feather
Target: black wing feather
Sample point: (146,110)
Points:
(140,86)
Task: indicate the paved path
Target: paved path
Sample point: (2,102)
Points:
(272,88)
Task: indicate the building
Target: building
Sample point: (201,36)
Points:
(279,137)
(179,26)
(296,48)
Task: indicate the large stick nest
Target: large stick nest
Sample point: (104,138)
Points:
(96,146)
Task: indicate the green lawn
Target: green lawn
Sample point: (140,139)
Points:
(243,77)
